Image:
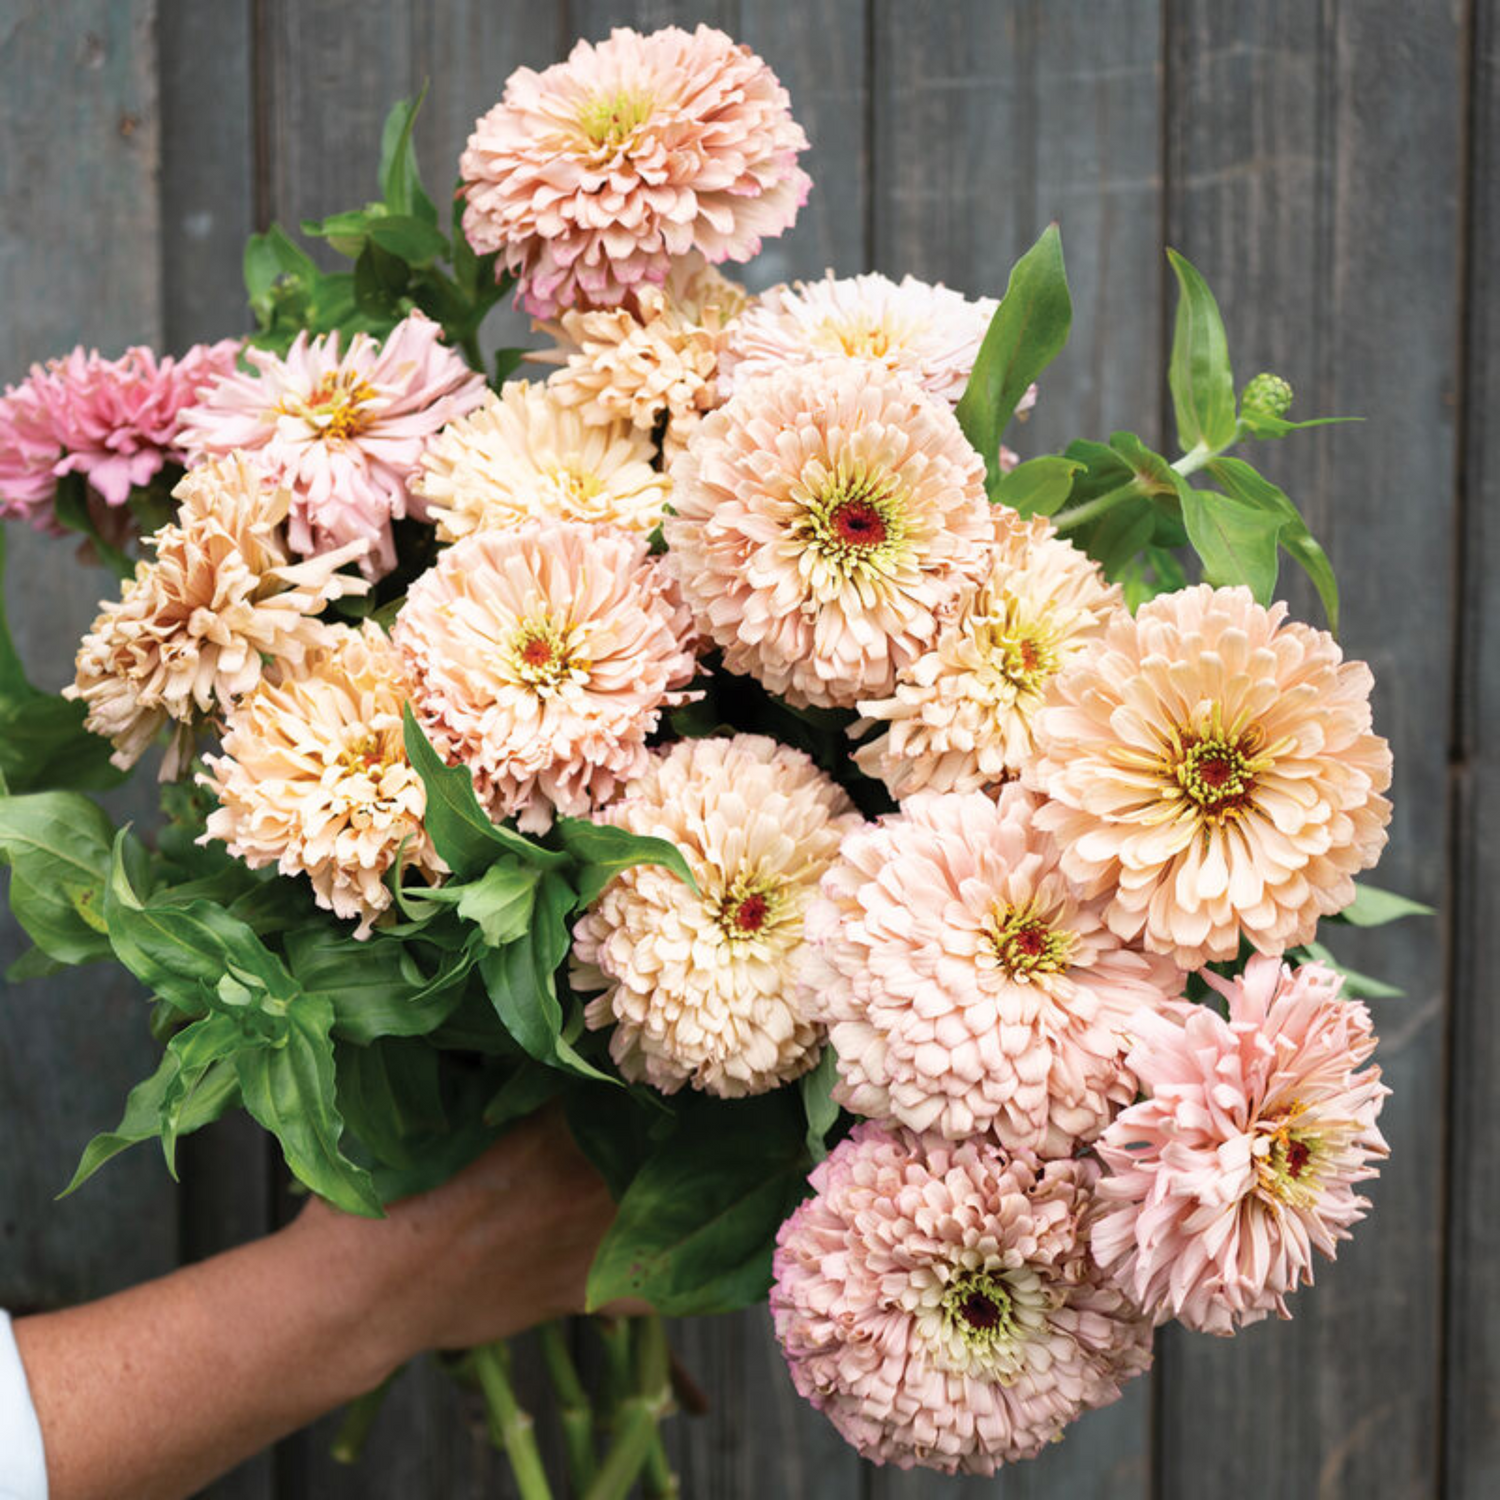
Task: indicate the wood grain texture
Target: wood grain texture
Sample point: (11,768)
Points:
(78,262)
(1329,223)
(1472,1389)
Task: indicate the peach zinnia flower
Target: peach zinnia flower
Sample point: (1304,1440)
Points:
(541,658)
(938,1302)
(1212,766)
(314,777)
(1243,1160)
(824,516)
(344,431)
(655,356)
(590,177)
(194,627)
(523,456)
(961,715)
(966,983)
(701,986)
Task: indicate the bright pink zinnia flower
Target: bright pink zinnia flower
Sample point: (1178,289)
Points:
(344,432)
(1243,1160)
(116,421)
(938,1302)
(590,177)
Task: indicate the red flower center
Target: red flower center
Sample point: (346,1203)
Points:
(857,523)
(749,915)
(979,1311)
(537,652)
(1297,1156)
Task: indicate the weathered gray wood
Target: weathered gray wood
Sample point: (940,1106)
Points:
(1315,155)
(1472,1388)
(78,261)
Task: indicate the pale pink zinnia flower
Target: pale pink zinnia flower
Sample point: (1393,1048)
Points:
(541,659)
(314,776)
(1211,767)
(115,421)
(344,431)
(938,1303)
(967,984)
(525,456)
(961,715)
(824,517)
(197,624)
(701,987)
(1243,1159)
(590,177)
(654,357)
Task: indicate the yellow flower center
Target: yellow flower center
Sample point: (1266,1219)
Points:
(749,907)
(611,119)
(1213,768)
(542,656)
(853,519)
(335,406)
(859,338)
(1287,1169)
(1026,944)
(1023,652)
(579,485)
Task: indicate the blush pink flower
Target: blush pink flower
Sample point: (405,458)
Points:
(938,1303)
(701,986)
(541,658)
(967,985)
(1211,767)
(115,421)
(590,177)
(1243,1159)
(345,432)
(824,517)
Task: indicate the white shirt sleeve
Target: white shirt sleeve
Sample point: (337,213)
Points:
(23,1471)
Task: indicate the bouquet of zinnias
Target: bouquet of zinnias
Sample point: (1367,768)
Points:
(905,880)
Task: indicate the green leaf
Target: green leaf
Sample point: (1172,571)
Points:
(1262,424)
(414,240)
(389,1097)
(1115,540)
(1200,376)
(1236,541)
(523,1093)
(33,964)
(461,830)
(291,1091)
(1037,487)
(1373,907)
(57,845)
(400,181)
(71,507)
(1244,483)
(1029,328)
(203,1045)
(500,901)
(1152,473)
(818,1102)
(696,1226)
(507,362)
(603,851)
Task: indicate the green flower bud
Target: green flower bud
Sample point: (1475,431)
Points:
(1267,394)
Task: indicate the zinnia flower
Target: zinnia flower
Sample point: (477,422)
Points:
(344,431)
(115,421)
(961,716)
(925,332)
(524,456)
(938,1303)
(314,777)
(541,659)
(967,984)
(824,516)
(1212,766)
(655,356)
(1243,1160)
(590,177)
(192,630)
(701,986)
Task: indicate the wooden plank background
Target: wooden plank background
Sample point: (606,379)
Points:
(1333,167)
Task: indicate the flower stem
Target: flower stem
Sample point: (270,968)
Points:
(636,1442)
(359,1417)
(575,1411)
(1190,462)
(511,1428)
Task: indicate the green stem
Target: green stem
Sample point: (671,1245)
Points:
(511,1428)
(1090,510)
(469,348)
(654,1375)
(636,1441)
(359,1417)
(614,1333)
(575,1412)
(634,1432)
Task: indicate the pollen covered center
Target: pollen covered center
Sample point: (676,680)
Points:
(1024,943)
(337,406)
(1214,768)
(852,521)
(609,120)
(748,908)
(542,656)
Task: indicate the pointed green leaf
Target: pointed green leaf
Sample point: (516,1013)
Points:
(1373,907)
(400,181)
(1236,541)
(58,847)
(818,1102)
(1039,486)
(602,851)
(1200,376)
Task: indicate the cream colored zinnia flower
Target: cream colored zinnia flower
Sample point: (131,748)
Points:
(525,456)
(701,986)
(824,516)
(541,659)
(191,630)
(1211,765)
(314,777)
(654,357)
(961,715)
